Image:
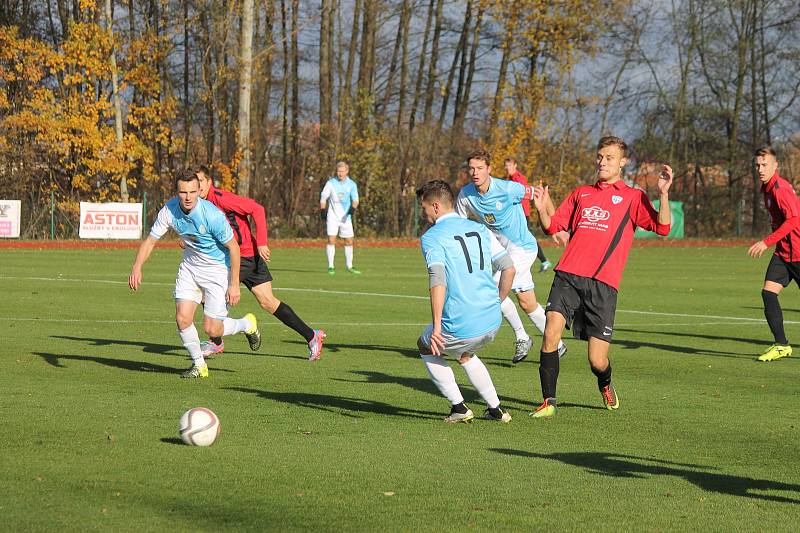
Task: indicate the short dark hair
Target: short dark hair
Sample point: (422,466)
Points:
(610,140)
(481,155)
(765,150)
(187,174)
(510,160)
(202,169)
(436,190)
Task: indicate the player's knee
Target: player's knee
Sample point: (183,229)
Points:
(465,357)
(270,304)
(424,349)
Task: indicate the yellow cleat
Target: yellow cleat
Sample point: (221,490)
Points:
(776,351)
(252,334)
(196,372)
(546,410)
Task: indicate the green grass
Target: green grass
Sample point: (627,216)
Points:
(706,438)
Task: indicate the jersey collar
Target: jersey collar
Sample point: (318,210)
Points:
(602,185)
(770,184)
(448,215)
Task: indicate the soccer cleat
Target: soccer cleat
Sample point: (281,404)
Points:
(195,372)
(210,348)
(352,270)
(546,410)
(521,349)
(252,334)
(504,416)
(610,398)
(331,271)
(315,345)
(776,351)
(454,417)
(562,350)
(545,266)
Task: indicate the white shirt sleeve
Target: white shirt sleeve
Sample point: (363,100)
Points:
(462,205)
(326,192)
(162,224)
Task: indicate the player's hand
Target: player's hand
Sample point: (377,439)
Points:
(437,341)
(561,238)
(665,179)
(233,295)
(323,215)
(758,249)
(264,252)
(135,279)
(541,196)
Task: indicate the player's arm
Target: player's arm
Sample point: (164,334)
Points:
(664,183)
(541,201)
(233,293)
(145,249)
(438,289)
(507,272)
(790,207)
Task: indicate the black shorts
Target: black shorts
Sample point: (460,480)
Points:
(783,272)
(253,271)
(588,305)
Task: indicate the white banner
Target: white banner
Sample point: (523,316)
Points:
(9,218)
(111,221)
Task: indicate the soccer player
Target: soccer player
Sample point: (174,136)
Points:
(513,174)
(340,198)
(255,252)
(209,267)
(496,203)
(602,219)
(784,213)
(465,302)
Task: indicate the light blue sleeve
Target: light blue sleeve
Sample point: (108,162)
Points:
(432,251)
(218,225)
(515,191)
(354,192)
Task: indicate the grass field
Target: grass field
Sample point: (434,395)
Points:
(706,438)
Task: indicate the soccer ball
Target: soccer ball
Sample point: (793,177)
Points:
(199,427)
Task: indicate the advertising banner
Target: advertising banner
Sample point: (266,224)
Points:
(675,231)
(111,221)
(9,218)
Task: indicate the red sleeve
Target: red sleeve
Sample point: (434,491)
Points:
(233,203)
(790,207)
(562,218)
(646,217)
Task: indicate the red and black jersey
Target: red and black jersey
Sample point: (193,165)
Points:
(237,209)
(784,213)
(525,202)
(602,219)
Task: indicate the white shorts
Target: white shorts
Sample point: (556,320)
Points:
(523,261)
(457,347)
(194,282)
(342,229)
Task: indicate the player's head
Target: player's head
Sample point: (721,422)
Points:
(188,188)
(612,157)
(436,198)
(480,168)
(204,179)
(342,170)
(766,161)
(511,166)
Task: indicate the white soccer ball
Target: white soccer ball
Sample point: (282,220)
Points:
(199,427)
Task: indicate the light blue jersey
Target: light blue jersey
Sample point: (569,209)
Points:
(466,249)
(204,230)
(340,195)
(500,210)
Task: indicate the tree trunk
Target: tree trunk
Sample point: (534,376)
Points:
(461,49)
(421,70)
(123,182)
(393,63)
(245,90)
(325,104)
(402,89)
(458,125)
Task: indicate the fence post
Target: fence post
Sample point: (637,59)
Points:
(144,212)
(52,215)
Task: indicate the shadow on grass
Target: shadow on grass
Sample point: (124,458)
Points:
(350,407)
(336,347)
(630,466)
(173,440)
(757,341)
(424,384)
(56,360)
(147,347)
(632,345)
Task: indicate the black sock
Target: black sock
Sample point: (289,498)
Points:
(285,314)
(603,376)
(459,408)
(548,373)
(540,255)
(496,411)
(216,340)
(774,315)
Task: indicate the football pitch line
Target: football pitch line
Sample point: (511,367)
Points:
(714,318)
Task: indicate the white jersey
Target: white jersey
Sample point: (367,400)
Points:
(340,195)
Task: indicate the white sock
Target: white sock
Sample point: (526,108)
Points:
(330,251)
(348,256)
(191,340)
(232,326)
(539,320)
(479,377)
(512,317)
(442,375)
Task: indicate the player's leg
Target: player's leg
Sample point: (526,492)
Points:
(330,248)
(216,321)
(442,376)
(523,342)
(478,375)
(777,277)
(601,368)
(346,232)
(527,300)
(184,317)
(600,306)
(545,264)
